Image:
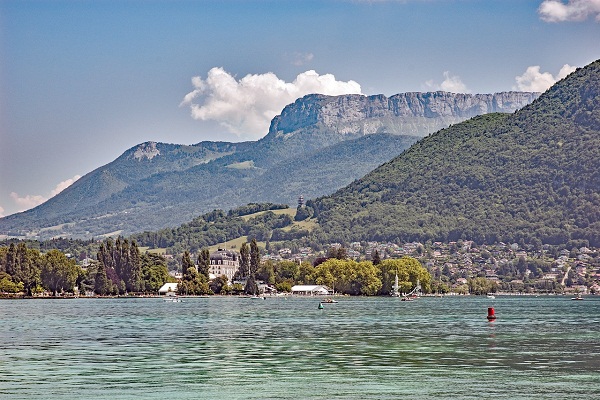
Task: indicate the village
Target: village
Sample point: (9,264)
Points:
(514,268)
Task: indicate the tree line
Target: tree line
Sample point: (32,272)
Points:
(119,268)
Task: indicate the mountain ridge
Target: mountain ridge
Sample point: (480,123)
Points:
(154,185)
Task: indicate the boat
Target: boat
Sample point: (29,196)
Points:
(395,292)
(172,299)
(491,296)
(578,297)
(328,301)
(258,298)
(414,294)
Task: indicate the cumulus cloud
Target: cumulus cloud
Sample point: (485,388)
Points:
(63,185)
(246,106)
(29,201)
(451,83)
(535,81)
(26,202)
(572,10)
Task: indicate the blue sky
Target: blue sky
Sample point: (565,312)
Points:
(83,81)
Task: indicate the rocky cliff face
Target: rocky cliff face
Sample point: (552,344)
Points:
(405,113)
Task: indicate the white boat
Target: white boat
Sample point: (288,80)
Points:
(172,300)
(491,296)
(395,292)
(578,297)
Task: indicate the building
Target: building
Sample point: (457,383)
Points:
(224,262)
(310,290)
(168,289)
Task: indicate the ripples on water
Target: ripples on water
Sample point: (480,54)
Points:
(285,348)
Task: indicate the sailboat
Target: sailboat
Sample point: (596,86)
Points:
(395,292)
(414,294)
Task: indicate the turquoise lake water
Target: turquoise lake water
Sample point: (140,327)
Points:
(545,347)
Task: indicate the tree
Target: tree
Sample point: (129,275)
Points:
(348,276)
(186,263)
(244,260)
(22,265)
(219,285)
(192,283)
(304,273)
(254,257)
(11,260)
(154,272)
(58,272)
(287,270)
(364,278)
(481,286)
(409,271)
(204,262)
(102,286)
(133,270)
(8,286)
(251,286)
(266,272)
(376,258)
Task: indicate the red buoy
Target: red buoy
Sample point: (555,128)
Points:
(491,315)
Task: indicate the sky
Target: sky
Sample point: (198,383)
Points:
(83,81)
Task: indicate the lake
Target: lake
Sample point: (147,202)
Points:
(545,347)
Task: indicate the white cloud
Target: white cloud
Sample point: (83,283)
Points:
(535,81)
(29,201)
(298,59)
(63,185)
(26,202)
(245,107)
(451,83)
(572,10)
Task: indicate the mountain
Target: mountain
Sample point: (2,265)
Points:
(531,176)
(317,145)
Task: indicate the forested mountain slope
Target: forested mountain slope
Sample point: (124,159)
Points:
(532,175)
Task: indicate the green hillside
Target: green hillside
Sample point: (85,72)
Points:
(532,175)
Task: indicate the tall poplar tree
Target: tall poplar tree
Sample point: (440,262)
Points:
(134,278)
(204,262)
(11,261)
(244,260)
(186,263)
(254,257)
(376,258)
(29,271)
(101,283)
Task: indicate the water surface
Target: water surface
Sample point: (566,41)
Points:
(286,348)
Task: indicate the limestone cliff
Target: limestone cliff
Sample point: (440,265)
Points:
(406,113)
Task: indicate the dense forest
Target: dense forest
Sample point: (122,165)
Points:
(533,175)
(218,226)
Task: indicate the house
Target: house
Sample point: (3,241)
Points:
(224,262)
(168,289)
(310,290)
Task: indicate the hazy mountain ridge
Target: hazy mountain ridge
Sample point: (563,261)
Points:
(156,185)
